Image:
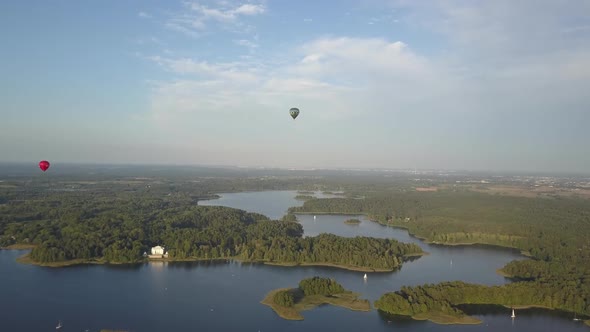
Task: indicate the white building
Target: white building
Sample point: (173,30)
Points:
(158,252)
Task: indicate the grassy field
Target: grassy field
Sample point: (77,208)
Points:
(345,300)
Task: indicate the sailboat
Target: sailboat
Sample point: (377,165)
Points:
(365,277)
(58,325)
(313,217)
(513,315)
(576,317)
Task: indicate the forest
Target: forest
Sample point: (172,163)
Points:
(120,228)
(116,220)
(444,297)
(555,232)
(307,287)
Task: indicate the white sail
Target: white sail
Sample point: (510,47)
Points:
(365,276)
(513,315)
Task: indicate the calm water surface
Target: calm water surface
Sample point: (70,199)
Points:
(225,296)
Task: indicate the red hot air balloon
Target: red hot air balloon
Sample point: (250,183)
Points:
(43,165)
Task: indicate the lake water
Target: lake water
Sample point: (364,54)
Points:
(225,296)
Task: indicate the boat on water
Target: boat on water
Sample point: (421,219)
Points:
(313,217)
(513,315)
(365,277)
(59,326)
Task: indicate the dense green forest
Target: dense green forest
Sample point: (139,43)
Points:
(547,228)
(117,219)
(120,228)
(445,297)
(554,231)
(284,298)
(307,287)
(320,286)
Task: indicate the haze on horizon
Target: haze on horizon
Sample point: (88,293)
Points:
(495,85)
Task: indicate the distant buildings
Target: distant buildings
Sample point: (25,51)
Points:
(158,252)
(427,189)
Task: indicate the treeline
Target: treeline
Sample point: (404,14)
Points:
(121,229)
(445,297)
(284,298)
(320,286)
(550,229)
(304,197)
(307,287)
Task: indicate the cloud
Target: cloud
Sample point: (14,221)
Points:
(502,27)
(249,9)
(246,43)
(332,75)
(501,68)
(144,15)
(193,20)
(307,20)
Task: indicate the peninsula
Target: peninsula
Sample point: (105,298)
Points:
(102,231)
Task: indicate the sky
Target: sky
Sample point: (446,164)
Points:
(477,85)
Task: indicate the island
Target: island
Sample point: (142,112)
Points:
(352,221)
(312,292)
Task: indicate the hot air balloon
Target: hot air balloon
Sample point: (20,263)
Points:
(294,112)
(43,165)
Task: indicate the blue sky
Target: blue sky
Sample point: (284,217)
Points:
(495,85)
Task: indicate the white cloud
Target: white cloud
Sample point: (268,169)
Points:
(496,69)
(144,15)
(307,20)
(246,43)
(194,19)
(501,28)
(331,75)
(249,9)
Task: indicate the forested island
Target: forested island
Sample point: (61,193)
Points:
(352,221)
(312,292)
(120,229)
(553,231)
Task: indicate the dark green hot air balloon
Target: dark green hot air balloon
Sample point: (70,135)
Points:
(294,112)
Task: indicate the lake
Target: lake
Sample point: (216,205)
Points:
(225,296)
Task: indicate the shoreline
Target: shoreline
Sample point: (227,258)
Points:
(349,268)
(17,246)
(423,239)
(25,259)
(444,319)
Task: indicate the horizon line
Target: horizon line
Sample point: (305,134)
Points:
(302,169)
